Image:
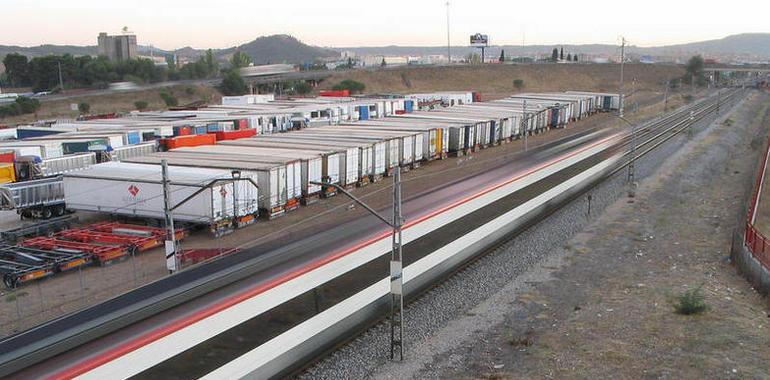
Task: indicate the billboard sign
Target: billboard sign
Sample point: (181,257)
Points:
(479,39)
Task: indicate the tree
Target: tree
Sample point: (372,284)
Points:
(170,100)
(561,54)
(84,108)
(502,56)
(574,58)
(239,59)
(141,105)
(555,55)
(694,71)
(383,63)
(351,85)
(211,62)
(17,69)
(350,62)
(233,84)
(170,62)
(518,83)
(569,57)
(302,88)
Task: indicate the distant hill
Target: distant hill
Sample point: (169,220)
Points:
(278,49)
(41,50)
(750,45)
(284,48)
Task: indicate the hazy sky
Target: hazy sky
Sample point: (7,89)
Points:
(172,24)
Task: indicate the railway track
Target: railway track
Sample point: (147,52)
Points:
(49,348)
(651,135)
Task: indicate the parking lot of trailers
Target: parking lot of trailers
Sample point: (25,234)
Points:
(284,147)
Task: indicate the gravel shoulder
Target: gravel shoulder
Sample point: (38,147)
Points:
(582,296)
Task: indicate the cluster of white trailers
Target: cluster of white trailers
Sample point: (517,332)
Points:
(343,141)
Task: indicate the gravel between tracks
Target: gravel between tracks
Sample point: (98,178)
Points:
(447,321)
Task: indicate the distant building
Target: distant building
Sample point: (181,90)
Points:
(118,48)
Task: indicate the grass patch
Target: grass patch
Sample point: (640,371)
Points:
(520,341)
(691,302)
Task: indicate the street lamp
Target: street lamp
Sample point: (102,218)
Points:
(396,265)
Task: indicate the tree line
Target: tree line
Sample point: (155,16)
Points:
(43,73)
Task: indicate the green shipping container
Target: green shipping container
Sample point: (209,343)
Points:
(71,147)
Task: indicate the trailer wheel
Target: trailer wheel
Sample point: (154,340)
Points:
(26,214)
(10,281)
(46,213)
(59,210)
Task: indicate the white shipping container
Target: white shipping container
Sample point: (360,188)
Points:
(251,198)
(137,190)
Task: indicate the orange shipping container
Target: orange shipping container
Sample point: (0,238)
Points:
(189,140)
(232,135)
(7,173)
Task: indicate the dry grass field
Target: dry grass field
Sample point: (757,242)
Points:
(496,81)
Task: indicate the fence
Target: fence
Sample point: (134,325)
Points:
(755,241)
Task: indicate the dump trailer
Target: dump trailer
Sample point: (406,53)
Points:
(40,198)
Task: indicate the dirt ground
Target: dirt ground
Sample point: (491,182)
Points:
(763,210)
(496,81)
(68,292)
(602,306)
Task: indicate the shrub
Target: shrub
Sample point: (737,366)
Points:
(190,90)
(169,99)
(349,84)
(84,107)
(27,105)
(518,83)
(140,105)
(690,302)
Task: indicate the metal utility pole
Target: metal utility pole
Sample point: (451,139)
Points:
(448,44)
(526,124)
(665,96)
(692,121)
(396,275)
(719,98)
(622,62)
(396,264)
(61,79)
(170,232)
(236,174)
(632,159)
